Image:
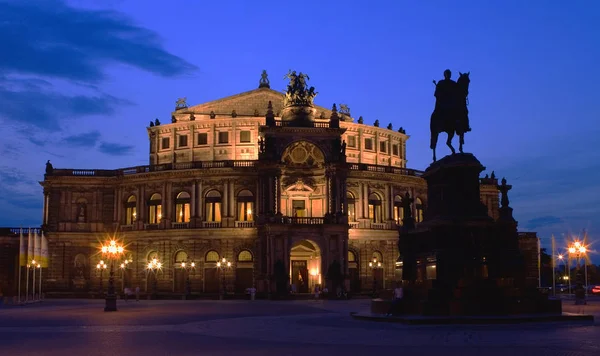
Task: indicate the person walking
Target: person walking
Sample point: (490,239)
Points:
(137,293)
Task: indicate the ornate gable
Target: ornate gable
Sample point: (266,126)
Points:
(250,103)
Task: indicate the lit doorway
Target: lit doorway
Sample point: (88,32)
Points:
(305,266)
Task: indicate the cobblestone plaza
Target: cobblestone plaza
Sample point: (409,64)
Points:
(58,327)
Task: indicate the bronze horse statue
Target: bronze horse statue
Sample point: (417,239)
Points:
(454,118)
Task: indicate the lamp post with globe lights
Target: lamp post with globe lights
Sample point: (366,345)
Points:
(100,268)
(221,265)
(374,265)
(112,251)
(153,267)
(577,250)
(187,266)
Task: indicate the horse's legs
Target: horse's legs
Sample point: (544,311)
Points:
(434,139)
(449,142)
(461,142)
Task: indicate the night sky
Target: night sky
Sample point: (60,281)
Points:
(80,80)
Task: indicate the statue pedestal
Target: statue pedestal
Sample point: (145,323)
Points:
(471,260)
(298,116)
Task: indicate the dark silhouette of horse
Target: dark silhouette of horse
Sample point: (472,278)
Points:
(453,119)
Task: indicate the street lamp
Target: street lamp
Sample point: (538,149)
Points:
(112,251)
(374,265)
(578,250)
(100,267)
(187,266)
(153,267)
(221,265)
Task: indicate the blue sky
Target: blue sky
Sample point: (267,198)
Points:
(80,80)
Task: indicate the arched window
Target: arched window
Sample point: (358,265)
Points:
(419,210)
(212,256)
(377,257)
(182,207)
(152,255)
(245,256)
(351,206)
(155,209)
(213,206)
(131,210)
(398,210)
(351,256)
(245,205)
(375,209)
(180,256)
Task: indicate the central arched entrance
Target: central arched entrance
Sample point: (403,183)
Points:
(305,266)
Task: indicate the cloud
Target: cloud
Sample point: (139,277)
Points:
(50,42)
(543,221)
(54,39)
(115,149)
(87,139)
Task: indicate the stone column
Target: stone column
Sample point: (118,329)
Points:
(225,200)
(365,201)
(232,198)
(277,193)
(141,211)
(193,200)
(200,207)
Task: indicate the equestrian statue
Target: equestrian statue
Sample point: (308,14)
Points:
(450,114)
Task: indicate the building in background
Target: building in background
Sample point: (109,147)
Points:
(273,184)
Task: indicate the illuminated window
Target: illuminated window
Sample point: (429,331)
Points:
(182,207)
(351,207)
(299,208)
(398,210)
(245,205)
(419,210)
(213,206)
(131,210)
(212,256)
(375,208)
(155,209)
(245,256)
(351,256)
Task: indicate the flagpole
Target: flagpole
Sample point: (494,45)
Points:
(553,266)
(33,294)
(40,289)
(19,263)
(27,284)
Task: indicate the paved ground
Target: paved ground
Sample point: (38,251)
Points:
(80,327)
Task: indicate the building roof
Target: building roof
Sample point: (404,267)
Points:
(250,103)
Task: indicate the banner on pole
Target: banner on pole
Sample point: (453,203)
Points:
(44,252)
(37,247)
(29,248)
(22,250)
